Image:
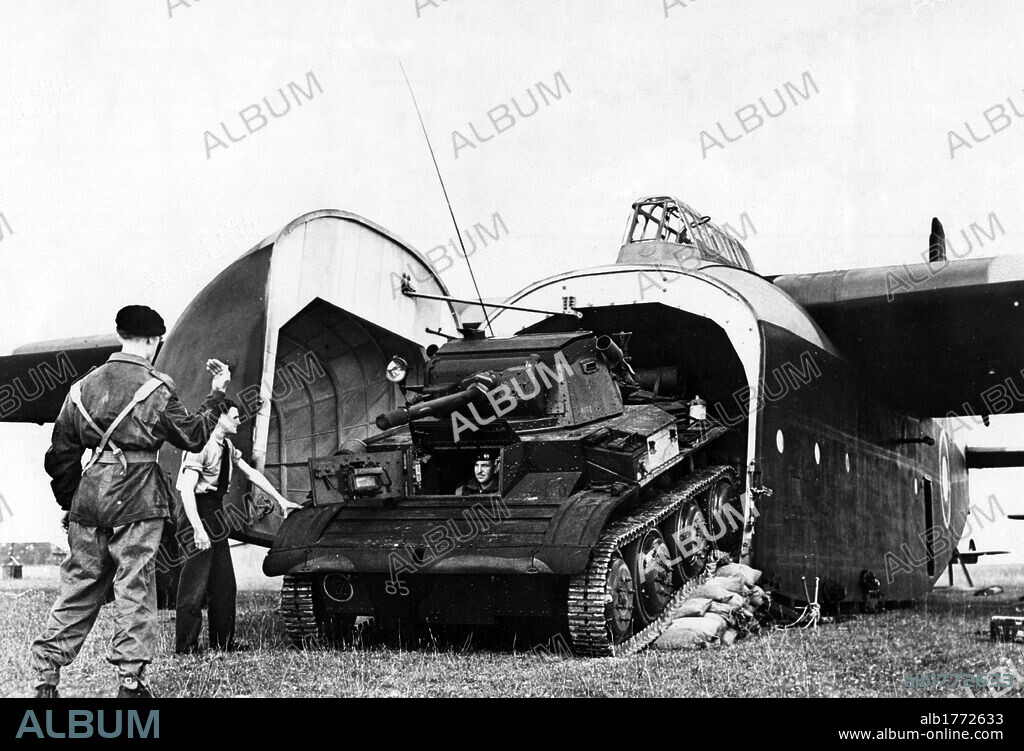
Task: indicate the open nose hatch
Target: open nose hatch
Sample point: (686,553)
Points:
(329,385)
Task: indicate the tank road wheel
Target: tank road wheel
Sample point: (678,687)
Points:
(687,542)
(724,512)
(307,622)
(625,597)
(649,558)
(619,596)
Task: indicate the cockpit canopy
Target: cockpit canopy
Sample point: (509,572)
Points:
(665,230)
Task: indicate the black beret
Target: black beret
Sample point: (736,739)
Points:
(485,456)
(140,320)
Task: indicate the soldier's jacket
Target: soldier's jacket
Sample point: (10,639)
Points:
(108,495)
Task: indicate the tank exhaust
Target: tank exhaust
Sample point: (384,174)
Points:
(617,361)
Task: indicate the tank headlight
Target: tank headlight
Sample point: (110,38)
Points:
(397,370)
(364,482)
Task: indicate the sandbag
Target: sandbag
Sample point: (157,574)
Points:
(756,598)
(710,625)
(681,638)
(694,607)
(691,633)
(713,591)
(732,584)
(715,621)
(749,576)
(726,608)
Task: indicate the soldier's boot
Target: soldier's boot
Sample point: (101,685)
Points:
(47,691)
(133,688)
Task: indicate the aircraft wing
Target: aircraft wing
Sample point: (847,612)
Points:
(35,379)
(932,339)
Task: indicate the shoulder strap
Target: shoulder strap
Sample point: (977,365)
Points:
(76,398)
(168,381)
(141,395)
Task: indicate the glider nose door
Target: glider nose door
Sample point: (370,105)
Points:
(329,383)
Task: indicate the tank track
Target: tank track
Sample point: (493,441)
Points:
(297,610)
(587,596)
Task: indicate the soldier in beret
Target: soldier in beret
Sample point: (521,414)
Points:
(116,503)
(485,479)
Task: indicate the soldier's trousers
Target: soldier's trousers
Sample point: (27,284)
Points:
(98,557)
(207,576)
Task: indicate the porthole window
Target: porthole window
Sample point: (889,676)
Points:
(817,453)
(780,442)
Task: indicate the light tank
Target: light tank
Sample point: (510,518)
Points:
(612,491)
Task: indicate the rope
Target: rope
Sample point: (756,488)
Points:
(810,615)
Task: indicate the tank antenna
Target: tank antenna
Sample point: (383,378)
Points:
(444,190)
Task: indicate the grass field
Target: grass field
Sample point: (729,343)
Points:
(866,656)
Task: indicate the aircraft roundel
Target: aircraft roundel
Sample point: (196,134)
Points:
(945,484)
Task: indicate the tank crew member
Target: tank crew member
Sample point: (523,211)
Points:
(485,479)
(124,411)
(208,574)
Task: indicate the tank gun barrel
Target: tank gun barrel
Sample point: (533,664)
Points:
(439,407)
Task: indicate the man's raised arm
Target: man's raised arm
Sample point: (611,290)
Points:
(188,431)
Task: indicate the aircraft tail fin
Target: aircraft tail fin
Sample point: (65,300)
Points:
(936,242)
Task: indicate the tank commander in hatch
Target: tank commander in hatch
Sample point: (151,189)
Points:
(485,476)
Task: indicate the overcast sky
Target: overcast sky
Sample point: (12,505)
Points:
(111,191)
